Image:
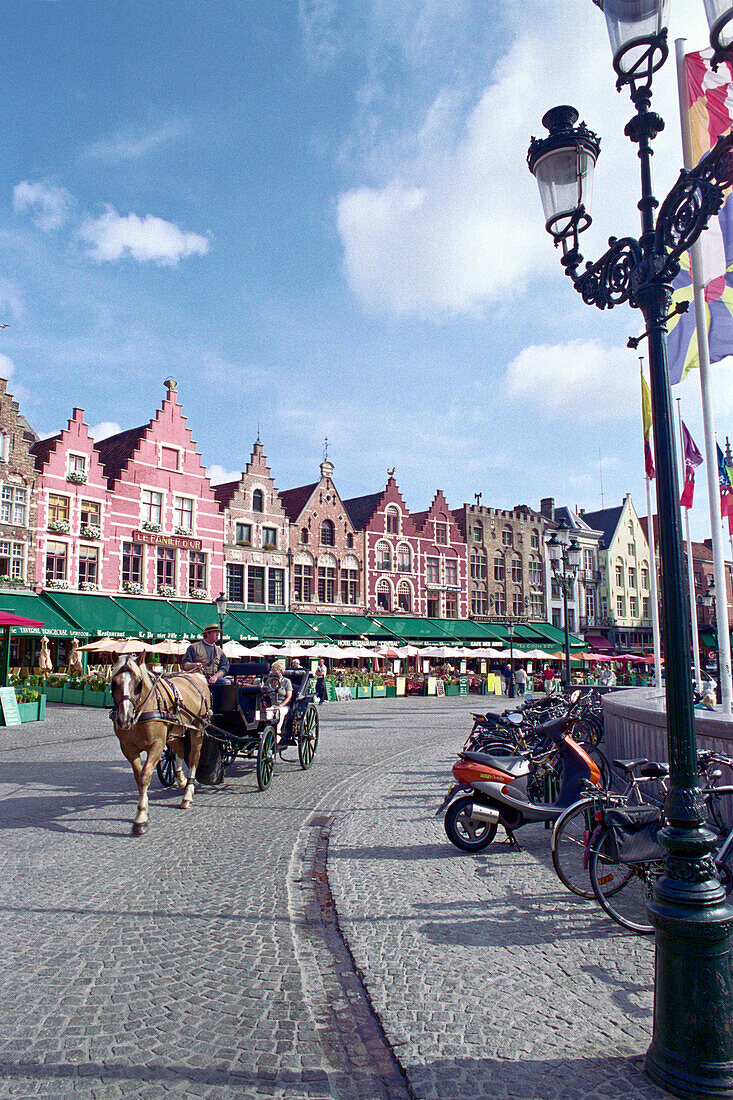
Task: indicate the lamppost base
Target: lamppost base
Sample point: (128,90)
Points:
(691,1054)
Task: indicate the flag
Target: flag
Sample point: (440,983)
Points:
(646,420)
(725,477)
(708,97)
(693,459)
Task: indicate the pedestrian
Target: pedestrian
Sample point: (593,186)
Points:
(521,678)
(207,656)
(321,671)
(508,679)
(548,678)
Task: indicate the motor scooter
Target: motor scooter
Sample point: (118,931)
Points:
(491,790)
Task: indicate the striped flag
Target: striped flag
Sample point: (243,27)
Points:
(725,477)
(646,420)
(693,459)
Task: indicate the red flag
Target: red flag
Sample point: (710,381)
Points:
(693,459)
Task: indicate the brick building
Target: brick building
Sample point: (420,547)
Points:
(506,561)
(327,561)
(442,562)
(255,538)
(390,544)
(17,500)
(73,510)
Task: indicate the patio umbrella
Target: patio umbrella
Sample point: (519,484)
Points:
(234,649)
(263,649)
(170,647)
(99,645)
(121,646)
(294,649)
(389,652)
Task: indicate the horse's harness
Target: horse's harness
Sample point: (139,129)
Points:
(170,705)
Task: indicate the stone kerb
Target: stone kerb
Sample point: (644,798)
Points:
(635,722)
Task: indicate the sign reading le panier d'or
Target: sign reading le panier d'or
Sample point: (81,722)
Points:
(156,538)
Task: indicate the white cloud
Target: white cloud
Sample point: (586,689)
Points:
(581,380)
(321,42)
(7,366)
(149,239)
(50,204)
(104,429)
(217,475)
(133,144)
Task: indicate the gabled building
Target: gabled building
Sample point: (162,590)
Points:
(625,592)
(584,603)
(17,501)
(327,561)
(73,510)
(166,531)
(389,542)
(443,561)
(255,538)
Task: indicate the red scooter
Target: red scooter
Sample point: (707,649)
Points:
(491,790)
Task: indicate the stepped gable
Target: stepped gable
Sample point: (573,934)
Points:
(116,450)
(361,509)
(42,449)
(225,490)
(295,500)
(74,435)
(459,518)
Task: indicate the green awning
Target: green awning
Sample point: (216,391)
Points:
(555,635)
(708,640)
(197,614)
(160,618)
(415,630)
(96,615)
(330,626)
(467,630)
(364,627)
(30,606)
(276,626)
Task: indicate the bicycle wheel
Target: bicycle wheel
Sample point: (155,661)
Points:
(603,766)
(569,847)
(623,889)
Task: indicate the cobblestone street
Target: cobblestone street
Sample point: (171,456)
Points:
(205,958)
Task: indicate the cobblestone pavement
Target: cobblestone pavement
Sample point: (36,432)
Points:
(205,960)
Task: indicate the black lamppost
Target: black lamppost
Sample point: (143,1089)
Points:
(691,1053)
(221,610)
(565,562)
(510,636)
(708,601)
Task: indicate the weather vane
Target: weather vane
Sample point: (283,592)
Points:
(325,449)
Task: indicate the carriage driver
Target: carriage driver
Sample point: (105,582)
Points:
(207,656)
(279,691)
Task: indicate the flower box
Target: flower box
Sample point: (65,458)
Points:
(57,584)
(90,531)
(379,691)
(452,689)
(183,531)
(30,712)
(73,695)
(88,586)
(198,593)
(77,477)
(54,694)
(91,698)
(59,527)
(166,590)
(146,525)
(133,587)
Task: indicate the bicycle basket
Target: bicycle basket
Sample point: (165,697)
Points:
(632,834)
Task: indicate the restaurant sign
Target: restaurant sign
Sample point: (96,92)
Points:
(156,538)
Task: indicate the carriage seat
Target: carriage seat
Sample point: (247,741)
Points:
(298,678)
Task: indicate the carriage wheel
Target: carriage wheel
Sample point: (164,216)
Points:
(266,757)
(308,737)
(166,767)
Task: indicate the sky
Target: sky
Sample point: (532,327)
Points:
(316,215)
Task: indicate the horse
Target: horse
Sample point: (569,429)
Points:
(151,712)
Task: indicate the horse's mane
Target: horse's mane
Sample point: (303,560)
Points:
(129,663)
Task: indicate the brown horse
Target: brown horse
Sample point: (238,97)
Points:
(151,712)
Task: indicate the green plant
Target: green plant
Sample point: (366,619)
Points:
(26,695)
(96,683)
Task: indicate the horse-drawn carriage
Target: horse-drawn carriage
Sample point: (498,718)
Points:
(240,728)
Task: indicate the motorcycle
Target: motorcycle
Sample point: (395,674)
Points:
(491,789)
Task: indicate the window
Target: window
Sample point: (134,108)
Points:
(56,561)
(555,592)
(4,447)
(633,607)
(517,604)
(478,565)
(326,584)
(152,506)
(243,534)
(432,571)
(235,583)
(58,508)
(304,535)
(451,572)
(76,464)
(451,605)
(349,586)
(269,537)
(392,521)
(619,576)
(535,606)
(620,607)
(90,513)
(535,573)
(645,607)
(507,537)
(165,567)
(256,584)
(571,619)
(196,569)
(556,617)
(303,583)
(258,501)
(14,503)
(631,549)
(404,596)
(432,603)
(479,603)
(478,532)
(498,568)
(349,540)
(632,577)
(132,563)
(517,570)
(404,559)
(276,588)
(383,596)
(88,565)
(590,605)
(644,576)
(384,555)
(169,457)
(183,513)
(441,533)
(698,580)
(500,603)
(327,533)
(589,559)
(11,559)
(534,540)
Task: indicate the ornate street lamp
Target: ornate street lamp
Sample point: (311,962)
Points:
(720,18)
(510,636)
(692,1047)
(564,554)
(221,610)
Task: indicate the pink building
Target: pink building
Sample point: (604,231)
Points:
(390,546)
(443,561)
(165,533)
(72,508)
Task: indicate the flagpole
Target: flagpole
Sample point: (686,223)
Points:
(652,567)
(691,578)
(708,419)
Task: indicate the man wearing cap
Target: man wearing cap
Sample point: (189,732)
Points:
(207,656)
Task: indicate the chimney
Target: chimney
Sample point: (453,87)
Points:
(547,507)
(327,468)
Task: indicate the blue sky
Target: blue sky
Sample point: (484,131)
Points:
(317,217)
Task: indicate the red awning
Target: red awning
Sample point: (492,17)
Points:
(6,619)
(597,641)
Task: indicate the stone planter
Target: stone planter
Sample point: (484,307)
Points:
(73,695)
